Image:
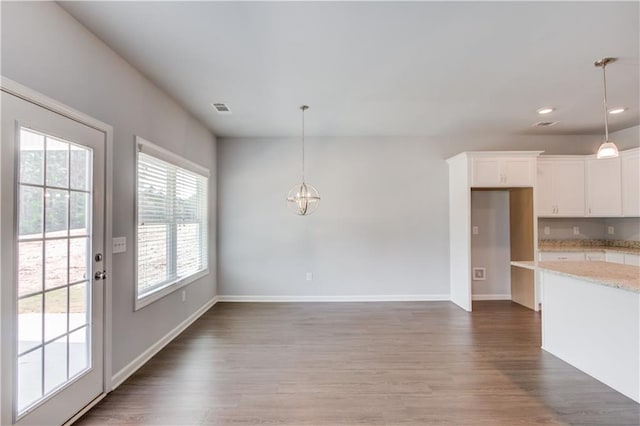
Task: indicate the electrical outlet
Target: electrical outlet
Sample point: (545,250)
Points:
(611,230)
(474,230)
(119,245)
(309,276)
(184,295)
(547,230)
(576,230)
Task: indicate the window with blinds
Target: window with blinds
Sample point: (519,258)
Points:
(172,220)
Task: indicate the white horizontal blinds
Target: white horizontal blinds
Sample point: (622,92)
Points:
(191,224)
(172,221)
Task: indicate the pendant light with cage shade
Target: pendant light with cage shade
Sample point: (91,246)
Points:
(303,199)
(608,149)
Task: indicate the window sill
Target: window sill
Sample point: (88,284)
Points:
(162,292)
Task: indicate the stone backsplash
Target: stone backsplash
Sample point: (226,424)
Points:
(590,243)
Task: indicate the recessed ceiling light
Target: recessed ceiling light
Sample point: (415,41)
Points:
(545,123)
(617,110)
(545,110)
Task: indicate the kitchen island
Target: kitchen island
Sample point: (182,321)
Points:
(591,319)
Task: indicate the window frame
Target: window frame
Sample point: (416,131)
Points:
(148,148)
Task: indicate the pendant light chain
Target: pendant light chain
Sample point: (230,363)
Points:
(607,149)
(606,117)
(303,108)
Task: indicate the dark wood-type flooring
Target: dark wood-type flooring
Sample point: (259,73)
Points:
(410,363)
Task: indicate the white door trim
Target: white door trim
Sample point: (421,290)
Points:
(17,89)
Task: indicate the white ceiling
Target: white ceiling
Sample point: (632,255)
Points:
(381,68)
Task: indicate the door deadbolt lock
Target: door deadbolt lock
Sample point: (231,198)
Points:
(100,275)
(98,257)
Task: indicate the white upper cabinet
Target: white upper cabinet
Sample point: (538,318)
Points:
(519,171)
(491,170)
(604,189)
(630,171)
(486,172)
(545,201)
(560,187)
(581,185)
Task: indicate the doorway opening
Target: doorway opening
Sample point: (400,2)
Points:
(502,231)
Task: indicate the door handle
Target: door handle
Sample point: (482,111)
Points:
(100,275)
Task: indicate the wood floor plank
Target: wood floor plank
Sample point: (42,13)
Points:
(405,363)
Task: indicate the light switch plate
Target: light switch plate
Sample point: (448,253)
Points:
(474,230)
(547,230)
(610,230)
(576,230)
(119,245)
(309,276)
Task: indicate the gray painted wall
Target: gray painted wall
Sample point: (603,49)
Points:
(490,248)
(381,228)
(627,138)
(626,228)
(377,230)
(562,228)
(46,49)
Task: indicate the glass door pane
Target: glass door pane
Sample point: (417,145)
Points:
(54,265)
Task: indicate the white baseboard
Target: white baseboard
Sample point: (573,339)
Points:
(142,359)
(358,298)
(491,297)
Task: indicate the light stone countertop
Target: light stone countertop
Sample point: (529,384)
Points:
(625,277)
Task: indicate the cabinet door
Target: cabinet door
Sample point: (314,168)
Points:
(568,187)
(630,168)
(603,187)
(486,172)
(631,259)
(555,255)
(518,171)
(594,256)
(545,205)
(614,257)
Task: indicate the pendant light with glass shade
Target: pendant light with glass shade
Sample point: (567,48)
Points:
(608,149)
(303,199)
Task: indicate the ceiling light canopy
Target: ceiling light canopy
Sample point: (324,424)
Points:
(608,149)
(545,110)
(303,199)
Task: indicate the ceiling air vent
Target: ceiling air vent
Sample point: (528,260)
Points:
(222,108)
(545,123)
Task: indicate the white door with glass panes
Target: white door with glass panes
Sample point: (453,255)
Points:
(52,228)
